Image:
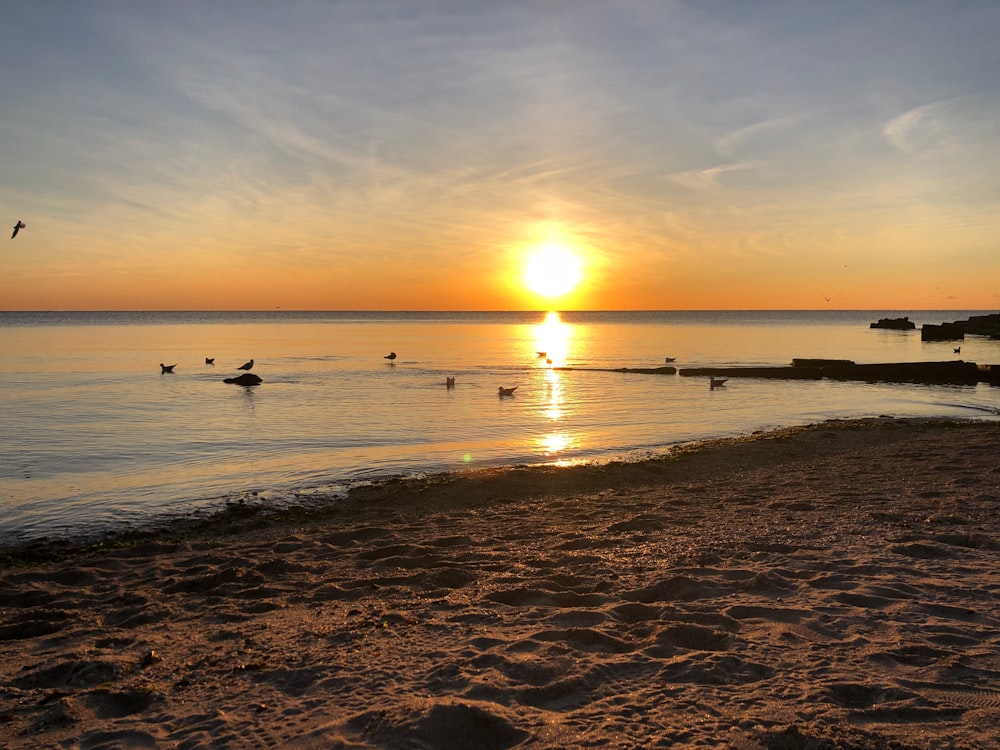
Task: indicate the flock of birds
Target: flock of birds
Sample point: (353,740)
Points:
(246,366)
(502,392)
(449,382)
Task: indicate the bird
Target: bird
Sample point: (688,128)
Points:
(506,391)
(167,368)
(246,366)
(670,359)
(958,350)
(714,382)
(391,356)
(541,354)
(209,360)
(17,227)
(449,382)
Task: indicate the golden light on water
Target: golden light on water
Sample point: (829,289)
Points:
(552,340)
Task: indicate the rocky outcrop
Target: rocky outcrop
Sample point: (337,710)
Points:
(976,325)
(247,378)
(895,324)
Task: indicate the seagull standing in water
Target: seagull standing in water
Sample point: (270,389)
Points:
(714,383)
(247,366)
(391,356)
(18,227)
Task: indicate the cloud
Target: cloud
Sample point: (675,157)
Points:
(707,179)
(948,127)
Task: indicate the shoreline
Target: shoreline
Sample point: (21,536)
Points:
(509,481)
(825,586)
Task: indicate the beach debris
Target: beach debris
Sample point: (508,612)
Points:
(149,658)
(167,368)
(391,356)
(506,391)
(247,378)
(246,366)
(18,227)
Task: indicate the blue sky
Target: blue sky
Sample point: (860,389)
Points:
(408,154)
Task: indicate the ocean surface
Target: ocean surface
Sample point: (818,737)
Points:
(93,438)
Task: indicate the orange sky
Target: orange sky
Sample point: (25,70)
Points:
(342,156)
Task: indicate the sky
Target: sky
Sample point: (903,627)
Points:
(423,154)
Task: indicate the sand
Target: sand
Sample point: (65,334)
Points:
(827,587)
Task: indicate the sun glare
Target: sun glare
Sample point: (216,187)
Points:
(552,271)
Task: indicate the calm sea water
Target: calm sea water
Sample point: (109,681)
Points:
(95,438)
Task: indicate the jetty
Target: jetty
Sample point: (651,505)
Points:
(956,372)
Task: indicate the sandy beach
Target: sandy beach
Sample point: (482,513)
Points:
(835,586)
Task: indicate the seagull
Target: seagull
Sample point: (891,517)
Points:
(390,356)
(449,382)
(670,359)
(167,368)
(209,360)
(541,354)
(716,383)
(506,391)
(958,350)
(17,227)
(247,366)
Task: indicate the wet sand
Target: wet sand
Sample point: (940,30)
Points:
(812,588)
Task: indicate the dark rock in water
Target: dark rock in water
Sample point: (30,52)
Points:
(247,378)
(977,325)
(895,324)
(943,332)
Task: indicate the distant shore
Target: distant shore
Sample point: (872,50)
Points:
(833,586)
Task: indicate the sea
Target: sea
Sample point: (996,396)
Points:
(95,439)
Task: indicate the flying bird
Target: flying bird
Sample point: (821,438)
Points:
(167,368)
(506,391)
(17,227)
(246,366)
(390,356)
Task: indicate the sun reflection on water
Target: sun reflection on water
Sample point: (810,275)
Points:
(553,339)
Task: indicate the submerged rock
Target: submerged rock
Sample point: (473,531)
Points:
(247,378)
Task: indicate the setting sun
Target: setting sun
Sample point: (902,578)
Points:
(552,271)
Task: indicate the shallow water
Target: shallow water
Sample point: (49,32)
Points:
(95,437)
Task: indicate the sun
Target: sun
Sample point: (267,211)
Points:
(552,271)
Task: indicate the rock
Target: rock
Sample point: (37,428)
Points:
(247,378)
(895,324)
